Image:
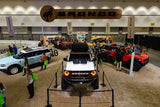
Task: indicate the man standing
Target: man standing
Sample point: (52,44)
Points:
(15,49)
(10,49)
(43,58)
(119,59)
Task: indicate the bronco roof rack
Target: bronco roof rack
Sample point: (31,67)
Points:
(79,47)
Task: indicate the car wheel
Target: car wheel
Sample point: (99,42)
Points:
(55,52)
(95,84)
(63,85)
(13,70)
(137,66)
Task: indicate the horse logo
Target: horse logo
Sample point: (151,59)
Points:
(48,13)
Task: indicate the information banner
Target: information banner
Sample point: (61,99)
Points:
(108,28)
(131,20)
(10,26)
(69,28)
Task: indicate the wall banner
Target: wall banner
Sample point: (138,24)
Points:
(131,20)
(10,26)
(108,28)
(69,28)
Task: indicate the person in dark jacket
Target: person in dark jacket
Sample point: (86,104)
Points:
(10,49)
(15,49)
(119,59)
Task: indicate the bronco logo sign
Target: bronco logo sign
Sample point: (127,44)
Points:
(48,13)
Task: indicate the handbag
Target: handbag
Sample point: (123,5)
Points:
(46,62)
(23,70)
(115,61)
(1,98)
(34,77)
(101,61)
(8,54)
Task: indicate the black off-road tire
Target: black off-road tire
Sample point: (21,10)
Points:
(63,85)
(55,53)
(136,66)
(95,84)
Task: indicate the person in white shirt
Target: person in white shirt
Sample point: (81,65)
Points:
(30,83)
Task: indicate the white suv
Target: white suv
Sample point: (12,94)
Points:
(79,68)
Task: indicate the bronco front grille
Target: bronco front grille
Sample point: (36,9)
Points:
(146,60)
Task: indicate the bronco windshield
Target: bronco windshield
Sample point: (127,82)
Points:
(129,50)
(19,55)
(79,57)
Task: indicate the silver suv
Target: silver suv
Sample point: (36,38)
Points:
(14,64)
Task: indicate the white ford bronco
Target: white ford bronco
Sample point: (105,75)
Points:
(79,68)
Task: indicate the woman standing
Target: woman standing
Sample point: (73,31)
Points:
(30,83)
(3,89)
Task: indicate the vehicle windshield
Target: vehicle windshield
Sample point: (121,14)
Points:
(18,56)
(64,41)
(129,50)
(79,57)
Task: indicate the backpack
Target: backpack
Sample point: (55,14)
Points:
(1,98)
(34,77)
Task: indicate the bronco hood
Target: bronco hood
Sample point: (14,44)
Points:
(80,67)
(7,60)
(143,55)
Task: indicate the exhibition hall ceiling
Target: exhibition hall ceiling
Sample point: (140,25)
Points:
(90,0)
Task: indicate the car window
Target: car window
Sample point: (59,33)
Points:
(39,52)
(29,54)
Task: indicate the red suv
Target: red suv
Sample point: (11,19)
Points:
(63,44)
(109,54)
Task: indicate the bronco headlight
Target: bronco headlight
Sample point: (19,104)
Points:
(2,65)
(93,73)
(66,73)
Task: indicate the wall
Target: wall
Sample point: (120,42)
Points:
(26,12)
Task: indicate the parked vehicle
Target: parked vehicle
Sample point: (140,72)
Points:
(79,68)
(65,44)
(14,64)
(101,41)
(109,54)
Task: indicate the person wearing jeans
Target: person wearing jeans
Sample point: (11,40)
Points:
(30,83)
(119,59)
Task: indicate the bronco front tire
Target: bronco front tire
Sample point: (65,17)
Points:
(63,85)
(136,66)
(95,84)
(13,70)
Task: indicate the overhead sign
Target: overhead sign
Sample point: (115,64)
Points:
(131,20)
(108,28)
(48,13)
(10,26)
(69,28)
